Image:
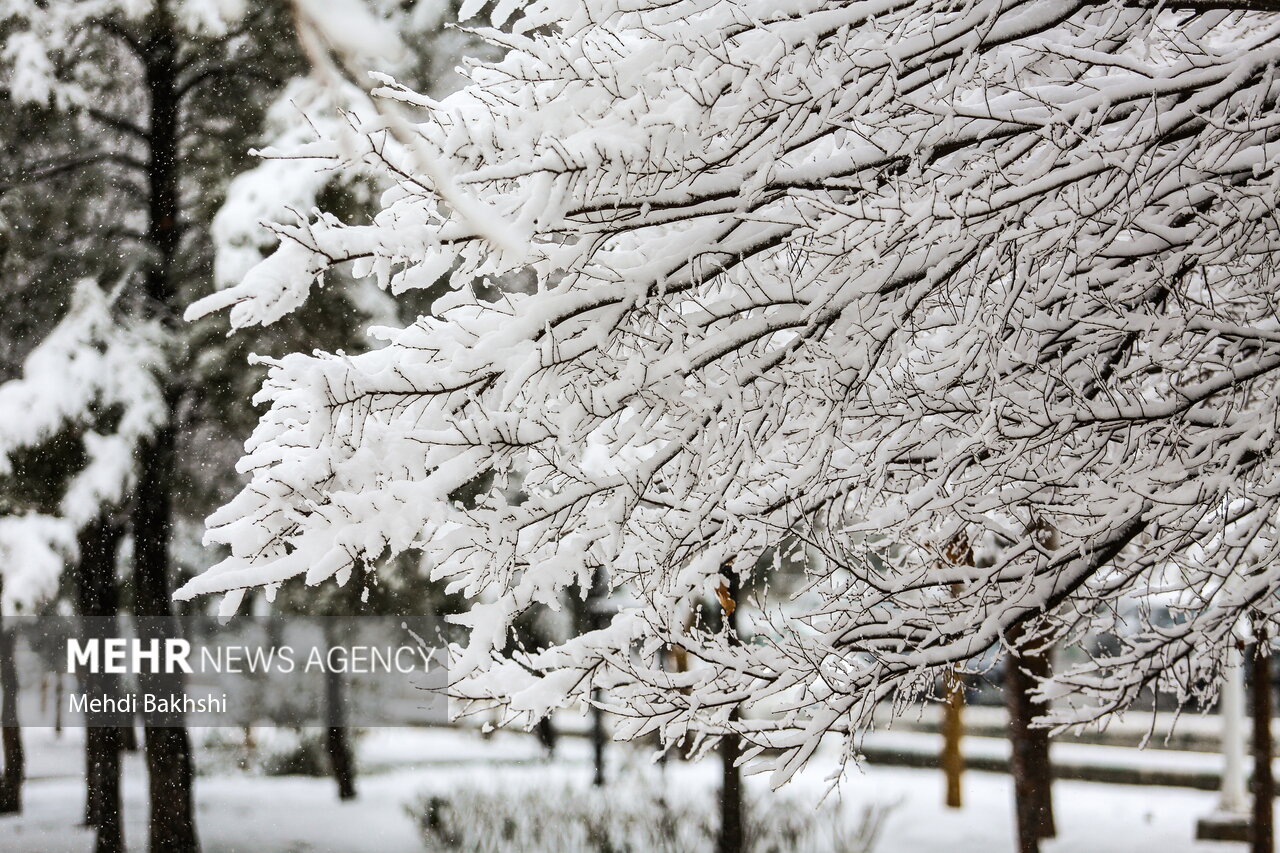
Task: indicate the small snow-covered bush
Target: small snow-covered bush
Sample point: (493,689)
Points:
(268,751)
(303,755)
(564,818)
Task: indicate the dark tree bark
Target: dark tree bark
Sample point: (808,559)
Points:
(1029,762)
(99,605)
(102,806)
(593,620)
(167,744)
(597,742)
(337,742)
(129,738)
(10,732)
(1262,835)
(732,838)
(57,704)
(547,735)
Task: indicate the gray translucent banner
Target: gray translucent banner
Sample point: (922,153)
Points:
(284,670)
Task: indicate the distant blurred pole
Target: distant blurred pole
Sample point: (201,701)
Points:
(952,731)
(1233,798)
(1264,789)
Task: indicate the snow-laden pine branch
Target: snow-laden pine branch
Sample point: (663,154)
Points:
(92,379)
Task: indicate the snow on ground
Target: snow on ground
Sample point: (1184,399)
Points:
(253,814)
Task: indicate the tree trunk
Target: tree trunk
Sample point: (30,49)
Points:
(1029,762)
(731,829)
(957,552)
(98,604)
(10,732)
(102,750)
(952,731)
(167,745)
(597,742)
(547,735)
(1264,787)
(594,620)
(732,837)
(340,759)
(169,775)
(337,742)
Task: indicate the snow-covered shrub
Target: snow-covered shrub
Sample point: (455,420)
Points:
(268,751)
(302,755)
(567,818)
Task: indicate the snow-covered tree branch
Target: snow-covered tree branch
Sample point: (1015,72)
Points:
(836,279)
(92,380)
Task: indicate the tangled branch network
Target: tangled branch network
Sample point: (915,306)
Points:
(834,286)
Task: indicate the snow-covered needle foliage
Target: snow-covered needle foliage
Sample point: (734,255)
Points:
(807,271)
(92,379)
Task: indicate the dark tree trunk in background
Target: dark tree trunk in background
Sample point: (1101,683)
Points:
(57,704)
(593,620)
(597,741)
(167,745)
(952,732)
(10,732)
(98,604)
(547,735)
(732,837)
(731,826)
(337,740)
(129,738)
(102,809)
(1264,786)
(1029,762)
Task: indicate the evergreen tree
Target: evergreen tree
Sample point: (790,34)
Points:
(131,122)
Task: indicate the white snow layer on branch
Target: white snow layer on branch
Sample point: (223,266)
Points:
(834,273)
(316,119)
(282,186)
(34,549)
(96,376)
(39,34)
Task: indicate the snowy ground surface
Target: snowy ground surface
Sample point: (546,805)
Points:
(256,814)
